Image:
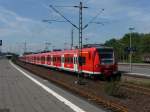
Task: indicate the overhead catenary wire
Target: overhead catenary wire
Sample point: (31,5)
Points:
(93,19)
(53,21)
(80,28)
(63,16)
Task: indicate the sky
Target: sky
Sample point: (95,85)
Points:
(21,21)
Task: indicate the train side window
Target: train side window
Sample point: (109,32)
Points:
(43,58)
(71,59)
(82,61)
(34,58)
(59,59)
(67,59)
(48,58)
(53,59)
(74,61)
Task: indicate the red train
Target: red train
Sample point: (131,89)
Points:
(94,61)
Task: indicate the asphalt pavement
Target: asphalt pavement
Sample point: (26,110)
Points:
(139,70)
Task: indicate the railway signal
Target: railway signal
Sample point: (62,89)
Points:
(132,49)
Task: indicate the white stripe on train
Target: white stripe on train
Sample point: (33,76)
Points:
(70,69)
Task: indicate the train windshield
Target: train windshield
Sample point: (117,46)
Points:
(106,55)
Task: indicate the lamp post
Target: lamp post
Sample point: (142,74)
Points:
(131,29)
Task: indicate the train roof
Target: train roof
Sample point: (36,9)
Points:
(69,51)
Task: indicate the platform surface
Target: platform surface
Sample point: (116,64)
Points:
(20,94)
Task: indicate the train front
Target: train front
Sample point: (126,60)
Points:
(107,64)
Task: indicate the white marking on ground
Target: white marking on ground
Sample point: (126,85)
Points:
(59,97)
(140,74)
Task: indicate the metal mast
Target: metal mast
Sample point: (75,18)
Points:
(80,41)
(80,28)
(72,32)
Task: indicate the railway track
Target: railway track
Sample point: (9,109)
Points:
(114,105)
(100,100)
(136,88)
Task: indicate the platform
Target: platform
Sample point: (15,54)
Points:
(18,93)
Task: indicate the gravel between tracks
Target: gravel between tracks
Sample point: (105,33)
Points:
(95,90)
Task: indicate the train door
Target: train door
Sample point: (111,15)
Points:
(75,61)
(52,60)
(62,61)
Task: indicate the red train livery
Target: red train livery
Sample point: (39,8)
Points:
(94,61)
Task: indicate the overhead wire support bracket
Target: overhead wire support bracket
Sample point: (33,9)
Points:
(92,20)
(53,21)
(67,20)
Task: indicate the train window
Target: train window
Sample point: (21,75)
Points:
(82,61)
(74,61)
(71,60)
(48,58)
(43,58)
(59,59)
(53,59)
(67,60)
(106,56)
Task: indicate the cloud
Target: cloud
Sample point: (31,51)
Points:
(15,28)
(119,15)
